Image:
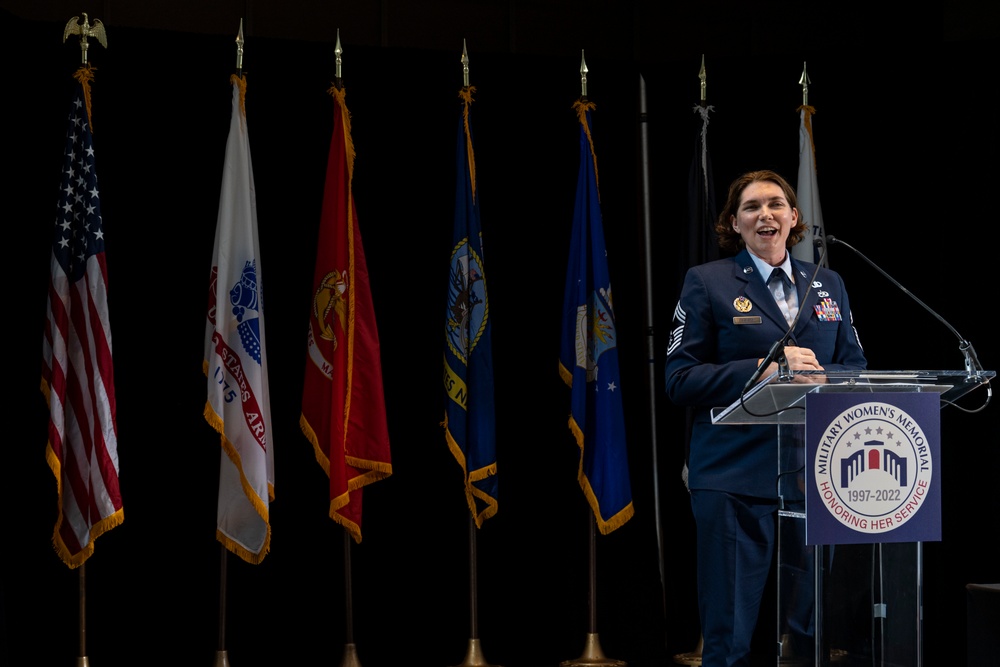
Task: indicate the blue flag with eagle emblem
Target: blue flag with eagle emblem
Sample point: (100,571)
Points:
(469,420)
(588,357)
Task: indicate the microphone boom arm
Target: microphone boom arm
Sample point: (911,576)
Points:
(972,365)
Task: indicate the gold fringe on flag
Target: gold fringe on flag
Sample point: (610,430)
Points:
(262,511)
(472,492)
(71,560)
(339,94)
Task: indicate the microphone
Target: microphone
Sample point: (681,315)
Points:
(972,364)
(777,351)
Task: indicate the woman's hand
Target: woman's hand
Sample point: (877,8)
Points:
(801,359)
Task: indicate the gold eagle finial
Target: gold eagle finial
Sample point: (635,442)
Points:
(87,29)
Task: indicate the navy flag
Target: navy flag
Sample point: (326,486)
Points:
(469,419)
(588,359)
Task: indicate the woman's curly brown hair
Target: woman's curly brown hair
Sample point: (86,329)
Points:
(729,239)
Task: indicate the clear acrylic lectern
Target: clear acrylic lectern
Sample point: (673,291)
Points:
(845,604)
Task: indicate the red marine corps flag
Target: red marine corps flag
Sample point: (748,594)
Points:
(77,374)
(343,405)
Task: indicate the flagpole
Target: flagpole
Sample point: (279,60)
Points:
(650,342)
(84,31)
(81,660)
(221,654)
(698,250)
(350,658)
(592,655)
(474,653)
(221,657)
(473,588)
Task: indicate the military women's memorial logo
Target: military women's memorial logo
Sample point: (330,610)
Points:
(872,459)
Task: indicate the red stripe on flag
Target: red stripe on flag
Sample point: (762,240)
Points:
(77,370)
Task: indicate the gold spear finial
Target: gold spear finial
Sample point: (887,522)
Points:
(583,75)
(465,65)
(239,49)
(338,51)
(804,80)
(95,30)
(704,78)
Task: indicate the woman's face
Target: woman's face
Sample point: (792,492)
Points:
(764,219)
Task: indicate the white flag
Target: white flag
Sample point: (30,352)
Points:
(807,190)
(235,365)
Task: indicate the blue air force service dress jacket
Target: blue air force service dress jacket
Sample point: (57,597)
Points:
(725,321)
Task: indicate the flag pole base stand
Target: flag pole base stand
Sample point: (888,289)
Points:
(593,656)
(350,658)
(474,656)
(691,658)
(221,659)
(788,658)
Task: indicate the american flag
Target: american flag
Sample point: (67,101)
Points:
(77,373)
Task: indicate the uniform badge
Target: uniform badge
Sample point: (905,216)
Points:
(742,304)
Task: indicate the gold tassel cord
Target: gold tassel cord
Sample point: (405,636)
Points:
(582,107)
(466,95)
(340,94)
(807,121)
(85,75)
(241,81)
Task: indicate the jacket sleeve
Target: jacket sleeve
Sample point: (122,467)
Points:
(697,373)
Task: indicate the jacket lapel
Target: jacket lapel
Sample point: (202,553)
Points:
(807,295)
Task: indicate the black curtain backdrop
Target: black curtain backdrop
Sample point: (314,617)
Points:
(905,148)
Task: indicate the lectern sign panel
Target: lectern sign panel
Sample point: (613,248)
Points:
(872,468)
